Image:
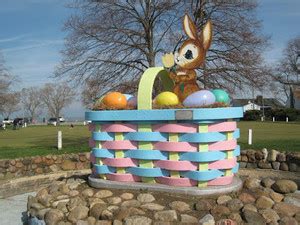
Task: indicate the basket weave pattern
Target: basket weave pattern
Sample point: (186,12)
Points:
(175,153)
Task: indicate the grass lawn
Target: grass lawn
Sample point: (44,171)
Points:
(42,140)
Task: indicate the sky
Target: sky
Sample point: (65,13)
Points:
(31,37)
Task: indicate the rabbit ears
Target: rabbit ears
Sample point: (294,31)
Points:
(190,29)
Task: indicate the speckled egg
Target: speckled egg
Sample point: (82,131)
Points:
(199,98)
(115,100)
(166,98)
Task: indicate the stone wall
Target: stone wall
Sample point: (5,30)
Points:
(264,159)
(30,166)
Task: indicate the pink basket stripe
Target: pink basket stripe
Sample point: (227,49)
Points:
(119,127)
(120,162)
(175,165)
(223,145)
(92,143)
(175,128)
(179,182)
(223,164)
(222,127)
(221,181)
(92,127)
(123,177)
(175,146)
(119,145)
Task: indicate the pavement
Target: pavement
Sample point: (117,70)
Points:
(12,209)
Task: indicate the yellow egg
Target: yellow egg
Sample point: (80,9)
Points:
(166,98)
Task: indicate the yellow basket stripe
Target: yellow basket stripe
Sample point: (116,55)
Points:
(229,136)
(174,155)
(203,128)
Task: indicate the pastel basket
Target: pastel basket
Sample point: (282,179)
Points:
(177,147)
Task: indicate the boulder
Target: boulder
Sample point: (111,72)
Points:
(138,220)
(180,206)
(167,215)
(207,220)
(253,218)
(78,213)
(223,199)
(285,186)
(145,198)
(53,216)
(264,202)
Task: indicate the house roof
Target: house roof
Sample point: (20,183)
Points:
(266,102)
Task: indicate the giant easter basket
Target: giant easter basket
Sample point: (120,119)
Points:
(177,147)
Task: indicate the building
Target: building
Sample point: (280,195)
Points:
(296,97)
(259,103)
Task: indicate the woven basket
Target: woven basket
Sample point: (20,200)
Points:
(177,147)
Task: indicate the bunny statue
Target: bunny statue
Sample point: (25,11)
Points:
(190,56)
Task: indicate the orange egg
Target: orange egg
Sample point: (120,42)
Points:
(115,100)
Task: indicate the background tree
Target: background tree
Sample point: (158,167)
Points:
(287,72)
(56,97)
(10,104)
(113,42)
(31,101)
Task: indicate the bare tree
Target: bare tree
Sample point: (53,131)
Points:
(113,42)
(11,104)
(56,97)
(31,101)
(287,72)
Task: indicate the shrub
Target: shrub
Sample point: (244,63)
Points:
(252,115)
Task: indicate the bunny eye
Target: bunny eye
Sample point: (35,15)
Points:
(188,54)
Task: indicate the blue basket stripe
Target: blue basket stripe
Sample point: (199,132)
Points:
(146,154)
(202,175)
(202,156)
(103,136)
(237,151)
(103,153)
(147,172)
(146,136)
(104,169)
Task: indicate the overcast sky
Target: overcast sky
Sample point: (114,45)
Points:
(31,36)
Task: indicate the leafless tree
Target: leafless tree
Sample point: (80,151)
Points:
(31,101)
(11,104)
(113,42)
(56,97)
(287,72)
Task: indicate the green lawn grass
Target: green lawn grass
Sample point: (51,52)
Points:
(42,140)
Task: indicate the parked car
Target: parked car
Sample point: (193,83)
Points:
(7,121)
(53,120)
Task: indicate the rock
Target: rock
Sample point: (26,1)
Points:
(267,182)
(249,207)
(107,215)
(113,208)
(269,215)
(61,197)
(114,200)
(97,209)
(82,222)
(235,205)
(251,165)
(243,164)
(55,203)
(251,183)
(93,201)
(88,192)
(251,155)
(207,220)
(41,213)
(281,157)
(220,211)
(53,216)
(276,196)
(236,217)
(297,217)
(284,209)
(288,221)
(127,212)
(205,205)
(284,166)
(117,222)
(246,198)
(127,196)
(292,201)
(272,155)
(284,186)
(259,155)
(78,213)
(73,193)
(180,206)
(253,218)
(131,203)
(103,194)
(264,165)
(275,165)
(45,200)
(293,167)
(37,206)
(54,168)
(264,203)
(167,215)
(68,165)
(152,207)
(145,198)
(188,219)
(103,222)
(74,202)
(138,220)
(62,206)
(223,199)
(265,153)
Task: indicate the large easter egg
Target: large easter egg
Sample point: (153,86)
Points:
(221,96)
(128,96)
(115,100)
(166,98)
(199,98)
(132,102)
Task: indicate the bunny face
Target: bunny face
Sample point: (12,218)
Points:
(191,54)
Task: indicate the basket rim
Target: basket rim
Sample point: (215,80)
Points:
(166,114)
